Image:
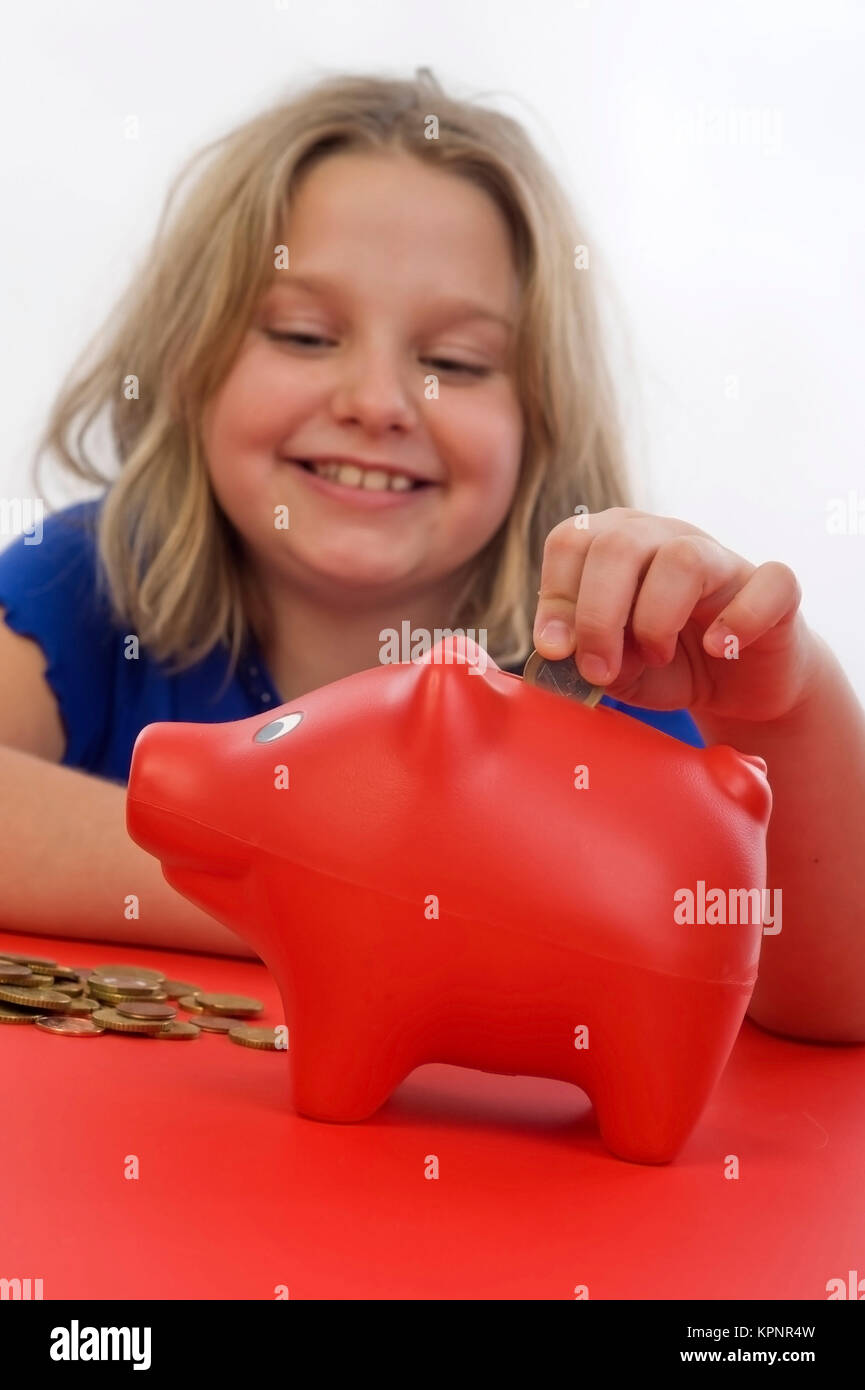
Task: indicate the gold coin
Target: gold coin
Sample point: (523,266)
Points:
(175,1030)
(113,998)
(69,1027)
(107,996)
(10,1015)
(139,971)
(38,982)
(145,1008)
(74,988)
(262,1038)
(66,972)
(128,984)
(111,1019)
(191,1004)
(14,973)
(81,1006)
(562,678)
(235,1004)
(39,999)
(35,962)
(215,1023)
(175,988)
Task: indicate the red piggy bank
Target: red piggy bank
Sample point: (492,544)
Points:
(441,863)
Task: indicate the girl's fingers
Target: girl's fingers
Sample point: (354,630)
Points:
(629,569)
(610,579)
(565,552)
(683,571)
(590,580)
(770,594)
(561,567)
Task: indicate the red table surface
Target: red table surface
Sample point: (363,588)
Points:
(238,1195)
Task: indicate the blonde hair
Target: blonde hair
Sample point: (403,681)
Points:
(169,558)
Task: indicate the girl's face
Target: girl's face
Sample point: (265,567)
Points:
(404,359)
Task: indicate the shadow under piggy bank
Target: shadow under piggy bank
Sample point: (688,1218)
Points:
(440,863)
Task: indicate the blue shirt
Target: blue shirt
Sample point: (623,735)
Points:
(49,591)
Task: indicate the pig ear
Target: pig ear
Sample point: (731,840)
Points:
(457,649)
(743,777)
(453,706)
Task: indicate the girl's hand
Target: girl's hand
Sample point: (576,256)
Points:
(647,603)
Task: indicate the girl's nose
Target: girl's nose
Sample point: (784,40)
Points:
(373,392)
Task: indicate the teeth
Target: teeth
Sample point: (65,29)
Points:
(372,479)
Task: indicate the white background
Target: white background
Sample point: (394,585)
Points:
(714,150)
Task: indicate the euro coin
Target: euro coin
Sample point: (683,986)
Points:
(14,973)
(139,971)
(235,1004)
(108,996)
(70,1027)
(175,1030)
(82,1006)
(38,999)
(116,1023)
(130,984)
(264,1039)
(175,988)
(8,1014)
(562,678)
(73,988)
(66,972)
(120,996)
(145,1008)
(191,1004)
(38,981)
(35,962)
(213,1023)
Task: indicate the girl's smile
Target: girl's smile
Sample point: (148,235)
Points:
(353,490)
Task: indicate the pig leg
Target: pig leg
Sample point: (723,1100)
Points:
(653,1067)
(333,948)
(346,1061)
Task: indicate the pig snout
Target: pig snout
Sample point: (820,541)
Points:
(172,794)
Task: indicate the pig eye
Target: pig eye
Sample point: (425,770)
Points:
(276,728)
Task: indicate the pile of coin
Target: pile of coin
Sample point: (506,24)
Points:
(85,1003)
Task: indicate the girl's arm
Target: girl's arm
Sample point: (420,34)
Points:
(812,974)
(666,617)
(67,865)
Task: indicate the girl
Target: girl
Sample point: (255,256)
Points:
(366,320)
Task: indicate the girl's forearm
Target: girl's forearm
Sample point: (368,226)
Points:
(811,981)
(67,865)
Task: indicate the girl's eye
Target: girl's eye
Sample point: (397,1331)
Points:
(296,338)
(310,339)
(459,366)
